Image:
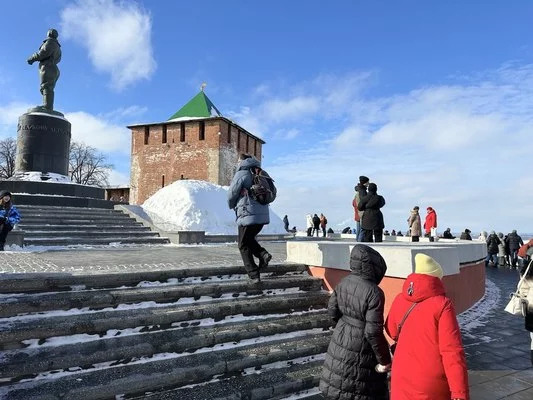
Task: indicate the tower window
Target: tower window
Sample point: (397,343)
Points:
(162,181)
(255,147)
(202,130)
(229,133)
(146,134)
(238,139)
(182,132)
(164,134)
(247,144)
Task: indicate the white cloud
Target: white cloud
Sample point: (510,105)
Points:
(117,36)
(10,113)
(463,148)
(98,132)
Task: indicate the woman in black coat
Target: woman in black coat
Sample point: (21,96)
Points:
(358,344)
(372,221)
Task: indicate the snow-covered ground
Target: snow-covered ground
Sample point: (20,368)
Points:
(193,205)
(38,176)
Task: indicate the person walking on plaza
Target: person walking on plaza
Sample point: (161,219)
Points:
(316,225)
(430,224)
(9,216)
(514,241)
(358,348)
(309,224)
(372,220)
(501,251)
(415,225)
(286,223)
(466,235)
(492,249)
(251,217)
(526,291)
(429,360)
(360,192)
(323,224)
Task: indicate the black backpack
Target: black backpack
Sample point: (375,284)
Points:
(263,190)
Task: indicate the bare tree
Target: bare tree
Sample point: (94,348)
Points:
(8,152)
(87,166)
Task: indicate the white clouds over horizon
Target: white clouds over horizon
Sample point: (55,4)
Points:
(460,147)
(117,36)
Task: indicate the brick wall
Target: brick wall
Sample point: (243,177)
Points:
(184,155)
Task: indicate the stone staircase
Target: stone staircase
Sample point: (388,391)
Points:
(67,226)
(187,333)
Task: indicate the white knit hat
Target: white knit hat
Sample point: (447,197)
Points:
(426,265)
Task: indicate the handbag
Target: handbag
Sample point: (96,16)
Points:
(518,304)
(393,346)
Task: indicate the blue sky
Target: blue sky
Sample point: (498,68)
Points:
(432,100)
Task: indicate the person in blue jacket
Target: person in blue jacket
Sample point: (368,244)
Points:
(9,216)
(251,217)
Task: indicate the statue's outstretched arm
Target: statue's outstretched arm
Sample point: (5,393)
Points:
(44,52)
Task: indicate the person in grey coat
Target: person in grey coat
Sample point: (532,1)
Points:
(358,348)
(251,217)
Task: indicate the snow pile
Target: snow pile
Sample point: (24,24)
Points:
(38,176)
(192,205)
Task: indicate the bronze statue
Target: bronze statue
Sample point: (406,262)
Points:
(49,55)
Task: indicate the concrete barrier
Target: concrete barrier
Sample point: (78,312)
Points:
(16,236)
(462,262)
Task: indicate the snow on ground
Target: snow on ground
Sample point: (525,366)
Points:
(478,314)
(193,205)
(38,176)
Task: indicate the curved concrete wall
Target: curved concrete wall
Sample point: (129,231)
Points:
(462,262)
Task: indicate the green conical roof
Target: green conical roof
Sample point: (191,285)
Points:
(198,107)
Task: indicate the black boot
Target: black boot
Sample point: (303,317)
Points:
(264,259)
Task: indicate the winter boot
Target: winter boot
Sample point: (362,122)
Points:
(264,259)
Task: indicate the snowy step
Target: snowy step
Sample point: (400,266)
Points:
(165,370)
(102,232)
(14,330)
(80,211)
(300,376)
(52,209)
(40,228)
(11,305)
(70,241)
(168,274)
(86,350)
(74,217)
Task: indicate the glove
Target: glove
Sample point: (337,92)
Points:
(382,368)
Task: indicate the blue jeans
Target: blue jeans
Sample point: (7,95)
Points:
(493,257)
(359,232)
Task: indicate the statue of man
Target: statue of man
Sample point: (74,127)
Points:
(49,55)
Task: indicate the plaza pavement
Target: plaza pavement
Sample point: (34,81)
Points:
(498,351)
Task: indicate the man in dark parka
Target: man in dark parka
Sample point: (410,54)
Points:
(372,220)
(358,343)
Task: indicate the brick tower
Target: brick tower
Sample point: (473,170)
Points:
(197,142)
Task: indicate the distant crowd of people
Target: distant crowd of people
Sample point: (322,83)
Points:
(316,224)
(502,250)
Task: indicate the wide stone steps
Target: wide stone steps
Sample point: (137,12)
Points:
(163,333)
(277,384)
(103,232)
(77,226)
(46,228)
(100,241)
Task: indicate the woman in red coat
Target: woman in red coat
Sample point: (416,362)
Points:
(431,220)
(429,361)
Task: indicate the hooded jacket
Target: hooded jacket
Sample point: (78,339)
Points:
(431,220)
(358,343)
(492,243)
(247,210)
(371,204)
(414,223)
(360,191)
(514,241)
(429,361)
(8,211)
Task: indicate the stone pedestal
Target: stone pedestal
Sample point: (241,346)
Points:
(43,143)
